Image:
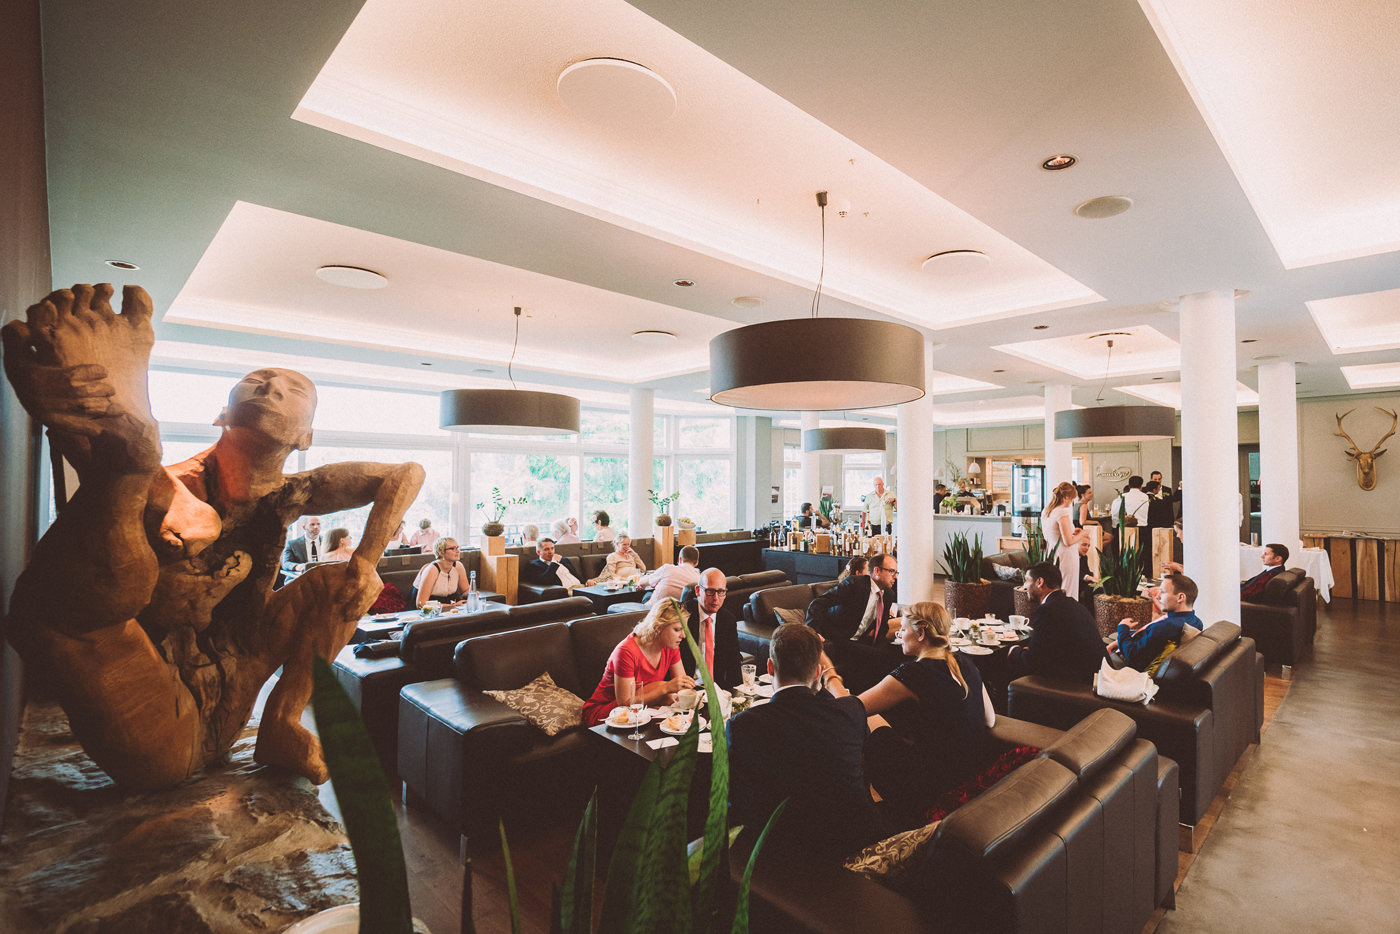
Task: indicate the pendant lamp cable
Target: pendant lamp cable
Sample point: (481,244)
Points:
(511,362)
(1098,400)
(821,274)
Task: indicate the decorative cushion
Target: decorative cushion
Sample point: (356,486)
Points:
(388,601)
(888,860)
(1188,632)
(1167,649)
(1007,573)
(545,704)
(961,794)
(790,616)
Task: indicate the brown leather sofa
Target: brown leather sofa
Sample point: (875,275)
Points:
(736,557)
(402,570)
(472,758)
(425,653)
(1002,602)
(759,619)
(1208,710)
(739,588)
(1283,622)
(1082,839)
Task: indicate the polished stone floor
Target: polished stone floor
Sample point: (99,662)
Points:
(1309,840)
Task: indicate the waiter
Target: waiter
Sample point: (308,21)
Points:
(879,508)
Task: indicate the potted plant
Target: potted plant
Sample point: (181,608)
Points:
(965,593)
(661,503)
(1036,553)
(1116,595)
(499,504)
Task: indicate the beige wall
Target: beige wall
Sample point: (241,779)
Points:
(1332,503)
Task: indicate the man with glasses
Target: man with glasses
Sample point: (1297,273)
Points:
(856,618)
(715,630)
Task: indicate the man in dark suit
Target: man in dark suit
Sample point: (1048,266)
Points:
(856,618)
(1275,556)
(1065,641)
(545,569)
(715,629)
(806,746)
(299,552)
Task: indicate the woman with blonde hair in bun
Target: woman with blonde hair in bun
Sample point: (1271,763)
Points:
(936,712)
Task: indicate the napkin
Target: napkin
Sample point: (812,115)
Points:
(1124,684)
(706,743)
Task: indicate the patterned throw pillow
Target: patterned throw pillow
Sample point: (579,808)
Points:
(790,616)
(1157,662)
(888,860)
(545,704)
(1002,766)
(1007,573)
(388,601)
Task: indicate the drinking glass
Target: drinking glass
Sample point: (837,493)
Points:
(750,673)
(637,706)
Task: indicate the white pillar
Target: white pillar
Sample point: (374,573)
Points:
(640,452)
(811,475)
(1278,454)
(1210,452)
(1059,455)
(914,516)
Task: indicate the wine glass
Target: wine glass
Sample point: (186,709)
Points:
(637,706)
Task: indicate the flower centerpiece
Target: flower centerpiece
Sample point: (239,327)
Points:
(661,503)
(499,504)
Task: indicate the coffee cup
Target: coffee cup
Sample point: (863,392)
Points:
(1019,621)
(687,699)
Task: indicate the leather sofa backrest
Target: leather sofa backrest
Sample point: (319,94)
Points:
(428,643)
(403,563)
(1282,589)
(594,639)
(1011,559)
(1190,659)
(503,661)
(402,579)
(1011,808)
(549,611)
(763,579)
(794,597)
(1088,746)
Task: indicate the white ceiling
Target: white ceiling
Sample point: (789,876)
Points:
(451,167)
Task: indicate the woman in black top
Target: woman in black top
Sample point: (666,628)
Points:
(938,713)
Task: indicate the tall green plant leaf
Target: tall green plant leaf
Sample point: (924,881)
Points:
(363,795)
(511,893)
(662,899)
(574,911)
(741,901)
(626,863)
(717,818)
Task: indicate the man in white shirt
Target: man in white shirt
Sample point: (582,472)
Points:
(550,569)
(299,552)
(879,508)
(1134,502)
(715,629)
(671,580)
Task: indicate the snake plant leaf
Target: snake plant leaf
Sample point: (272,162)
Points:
(626,863)
(662,900)
(741,902)
(717,818)
(574,913)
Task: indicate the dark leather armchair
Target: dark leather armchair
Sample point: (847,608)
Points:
(760,619)
(1283,621)
(1003,604)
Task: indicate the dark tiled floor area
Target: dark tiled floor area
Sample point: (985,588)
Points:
(1310,838)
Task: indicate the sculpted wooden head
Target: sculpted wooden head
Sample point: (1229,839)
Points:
(1366,476)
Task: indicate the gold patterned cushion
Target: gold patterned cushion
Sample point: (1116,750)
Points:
(545,704)
(1167,649)
(888,860)
(790,616)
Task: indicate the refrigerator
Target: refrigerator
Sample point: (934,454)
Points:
(1027,489)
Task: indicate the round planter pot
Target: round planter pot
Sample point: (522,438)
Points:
(492,529)
(663,520)
(1110,611)
(970,600)
(342,919)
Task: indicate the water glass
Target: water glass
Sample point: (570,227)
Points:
(637,706)
(750,673)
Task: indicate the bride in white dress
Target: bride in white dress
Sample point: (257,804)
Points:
(1059,529)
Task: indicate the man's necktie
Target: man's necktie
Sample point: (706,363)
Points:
(879,619)
(709,635)
(311,549)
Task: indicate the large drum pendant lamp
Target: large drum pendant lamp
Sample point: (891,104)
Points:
(846,440)
(1116,423)
(817,364)
(509,411)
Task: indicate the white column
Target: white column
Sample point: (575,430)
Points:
(914,516)
(1278,454)
(811,476)
(640,452)
(1210,452)
(1059,455)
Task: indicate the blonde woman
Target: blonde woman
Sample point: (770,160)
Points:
(647,661)
(936,713)
(1057,522)
(623,564)
(443,579)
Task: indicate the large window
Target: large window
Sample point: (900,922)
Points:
(792,479)
(605,488)
(433,498)
(545,480)
(858,473)
(707,491)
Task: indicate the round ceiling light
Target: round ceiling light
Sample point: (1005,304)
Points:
(817,364)
(1099,208)
(351,277)
(1055,163)
(121,264)
(954,264)
(684,283)
(508,412)
(616,93)
(747,301)
(1116,423)
(852,440)
(653,338)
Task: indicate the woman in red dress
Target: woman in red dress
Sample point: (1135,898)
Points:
(649,656)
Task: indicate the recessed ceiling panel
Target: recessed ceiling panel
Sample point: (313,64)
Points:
(436,303)
(1301,99)
(990,411)
(1170,393)
(473,87)
(1355,323)
(1372,376)
(1138,349)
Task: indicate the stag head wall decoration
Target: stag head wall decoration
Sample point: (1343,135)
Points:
(1366,476)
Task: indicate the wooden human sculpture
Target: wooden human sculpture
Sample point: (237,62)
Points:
(148,605)
(1366,475)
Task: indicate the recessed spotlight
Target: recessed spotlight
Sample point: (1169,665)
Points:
(1035,382)
(1063,161)
(954,264)
(1265,357)
(1250,340)
(746,301)
(483,369)
(998,371)
(684,283)
(1040,327)
(121,264)
(1156,378)
(653,337)
(351,277)
(1099,208)
(424,363)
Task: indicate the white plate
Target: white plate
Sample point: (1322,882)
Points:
(959,640)
(642,720)
(670,732)
(765,678)
(386,618)
(974,650)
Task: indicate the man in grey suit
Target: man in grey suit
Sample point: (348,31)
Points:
(299,552)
